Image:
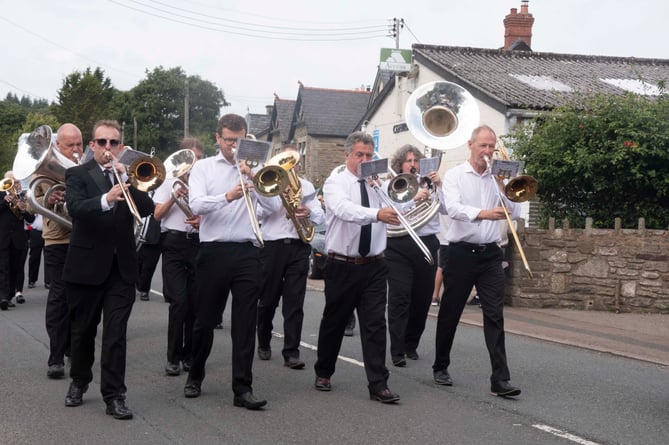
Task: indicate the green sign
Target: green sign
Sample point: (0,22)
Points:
(394,59)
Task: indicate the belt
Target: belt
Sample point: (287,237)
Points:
(187,235)
(285,241)
(355,259)
(475,248)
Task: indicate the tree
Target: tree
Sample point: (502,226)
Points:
(156,104)
(602,157)
(85,98)
(12,116)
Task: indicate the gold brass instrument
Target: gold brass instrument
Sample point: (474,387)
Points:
(38,157)
(178,166)
(145,173)
(250,208)
(278,177)
(8,185)
(519,189)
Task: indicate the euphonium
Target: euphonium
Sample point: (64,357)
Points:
(278,177)
(402,188)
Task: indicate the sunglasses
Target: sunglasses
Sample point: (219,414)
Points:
(103,142)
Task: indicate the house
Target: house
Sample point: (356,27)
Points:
(322,119)
(280,123)
(509,85)
(258,124)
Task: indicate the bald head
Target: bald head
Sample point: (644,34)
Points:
(70,142)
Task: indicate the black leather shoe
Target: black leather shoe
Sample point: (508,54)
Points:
(294,363)
(144,296)
(31,285)
(264,353)
(20,299)
(172,369)
(399,361)
(192,389)
(75,395)
(384,396)
(56,371)
(4,304)
(185,365)
(504,389)
(248,401)
(442,378)
(322,384)
(348,332)
(412,355)
(10,303)
(117,409)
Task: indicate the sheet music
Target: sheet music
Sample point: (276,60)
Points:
(377,167)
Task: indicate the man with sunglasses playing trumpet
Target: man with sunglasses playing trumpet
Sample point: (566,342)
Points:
(101,267)
(180,243)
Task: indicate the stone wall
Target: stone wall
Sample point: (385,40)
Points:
(622,270)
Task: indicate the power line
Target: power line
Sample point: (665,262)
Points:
(271,35)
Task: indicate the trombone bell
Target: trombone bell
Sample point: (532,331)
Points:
(521,188)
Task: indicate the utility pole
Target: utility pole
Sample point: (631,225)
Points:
(186,101)
(396,27)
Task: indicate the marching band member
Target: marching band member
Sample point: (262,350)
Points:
(180,244)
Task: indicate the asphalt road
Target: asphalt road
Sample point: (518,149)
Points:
(570,395)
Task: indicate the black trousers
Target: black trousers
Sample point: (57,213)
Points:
(224,268)
(17,269)
(57,314)
(468,267)
(35,255)
(410,288)
(113,298)
(179,287)
(285,269)
(350,287)
(147,260)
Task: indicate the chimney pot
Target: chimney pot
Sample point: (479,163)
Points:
(518,26)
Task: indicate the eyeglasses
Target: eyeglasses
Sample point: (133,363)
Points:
(229,140)
(103,142)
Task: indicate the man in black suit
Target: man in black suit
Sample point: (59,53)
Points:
(101,267)
(13,242)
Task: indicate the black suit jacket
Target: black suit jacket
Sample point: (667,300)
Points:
(97,235)
(12,231)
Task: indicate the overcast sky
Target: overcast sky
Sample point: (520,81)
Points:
(253,49)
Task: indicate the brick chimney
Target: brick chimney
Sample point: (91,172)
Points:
(518,27)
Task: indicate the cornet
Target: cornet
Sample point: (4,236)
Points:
(8,185)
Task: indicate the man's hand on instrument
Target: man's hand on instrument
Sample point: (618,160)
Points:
(388,216)
(115,194)
(194,221)
(57,196)
(302,212)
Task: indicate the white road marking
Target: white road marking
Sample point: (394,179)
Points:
(314,348)
(564,435)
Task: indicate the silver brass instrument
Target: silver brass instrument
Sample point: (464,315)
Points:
(278,177)
(145,173)
(250,208)
(39,157)
(519,189)
(403,221)
(178,165)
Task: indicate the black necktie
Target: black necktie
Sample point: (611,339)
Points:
(108,175)
(366,230)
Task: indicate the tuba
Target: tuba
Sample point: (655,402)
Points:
(441,115)
(178,165)
(39,157)
(278,177)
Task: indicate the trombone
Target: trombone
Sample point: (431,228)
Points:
(398,183)
(145,174)
(519,189)
(250,208)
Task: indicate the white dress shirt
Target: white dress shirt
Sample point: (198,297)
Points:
(174,218)
(210,179)
(345,215)
(466,193)
(277,225)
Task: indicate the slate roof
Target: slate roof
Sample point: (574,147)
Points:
(283,114)
(493,75)
(258,123)
(328,112)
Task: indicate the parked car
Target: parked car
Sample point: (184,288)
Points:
(318,253)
